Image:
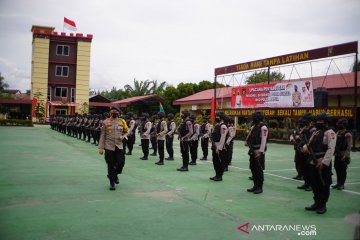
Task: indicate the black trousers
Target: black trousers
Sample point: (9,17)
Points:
(298,163)
(219,162)
(115,161)
(154,144)
(205,146)
(320,183)
(130,142)
(194,150)
(229,153)
(341,170)
(145,147)
(257,167)
(304,168)
(184,148)
(161,149)
(169,146)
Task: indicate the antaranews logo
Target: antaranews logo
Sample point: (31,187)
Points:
(299,229)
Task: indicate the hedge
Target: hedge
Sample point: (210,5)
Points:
(16,122)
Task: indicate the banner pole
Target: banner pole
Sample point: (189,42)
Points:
(355,99)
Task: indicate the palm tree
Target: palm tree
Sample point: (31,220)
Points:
(158,88)
(141,88)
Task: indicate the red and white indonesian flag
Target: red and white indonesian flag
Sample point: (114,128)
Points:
(69,24)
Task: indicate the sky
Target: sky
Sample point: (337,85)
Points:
(179,41)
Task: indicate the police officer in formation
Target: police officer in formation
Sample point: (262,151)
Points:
(229,145)
(130,121)
(171,125)
(113,133)
(218,139)
(153,134)
(185,132)
(194,140)
(146,126)
(300,138)
(161,131)
(205,133)
(342,153)
(256,141)
(321,148)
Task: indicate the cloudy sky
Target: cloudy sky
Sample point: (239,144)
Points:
(174,41)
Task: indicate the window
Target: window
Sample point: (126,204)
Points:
(49,94)
(62,71)
(61,92)
(72,95)
(62,50)
(60,112)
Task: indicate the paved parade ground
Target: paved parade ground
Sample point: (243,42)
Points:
(54,187)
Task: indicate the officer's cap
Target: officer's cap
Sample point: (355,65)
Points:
(116,108)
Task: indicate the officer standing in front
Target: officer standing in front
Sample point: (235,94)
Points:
(303,158)
(218,139)
(342,153)
(161,130)
(170,136)
(256,141)
(113,132)
(321,148)
(145,135)
(230,142)
(194,141)
(205,132)
(131,136)
(185,132)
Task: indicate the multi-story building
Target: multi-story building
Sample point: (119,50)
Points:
(60,70)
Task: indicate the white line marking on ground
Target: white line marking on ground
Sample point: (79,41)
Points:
(274,175)
(352,183)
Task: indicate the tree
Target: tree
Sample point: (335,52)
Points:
(158,88)
(40,107)
(261,77)
(3,84)
(141,88)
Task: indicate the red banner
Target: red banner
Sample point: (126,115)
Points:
(274,95)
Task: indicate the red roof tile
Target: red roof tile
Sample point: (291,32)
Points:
(125,102)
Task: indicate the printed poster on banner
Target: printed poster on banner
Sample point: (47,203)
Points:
(290,94)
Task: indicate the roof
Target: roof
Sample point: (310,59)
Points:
(205,96)
(11,91)
(338,84)
(98,98)
(147,100)
(20,99)
(101,104)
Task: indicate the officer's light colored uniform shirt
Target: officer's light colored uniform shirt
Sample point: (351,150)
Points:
(264,135)
(196,133)
(190,133)
(329,140)
(146,134)
(173,128)
(163,130)
(223,130)
(111,132)
(131,127)
(232,133)
(207,131)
